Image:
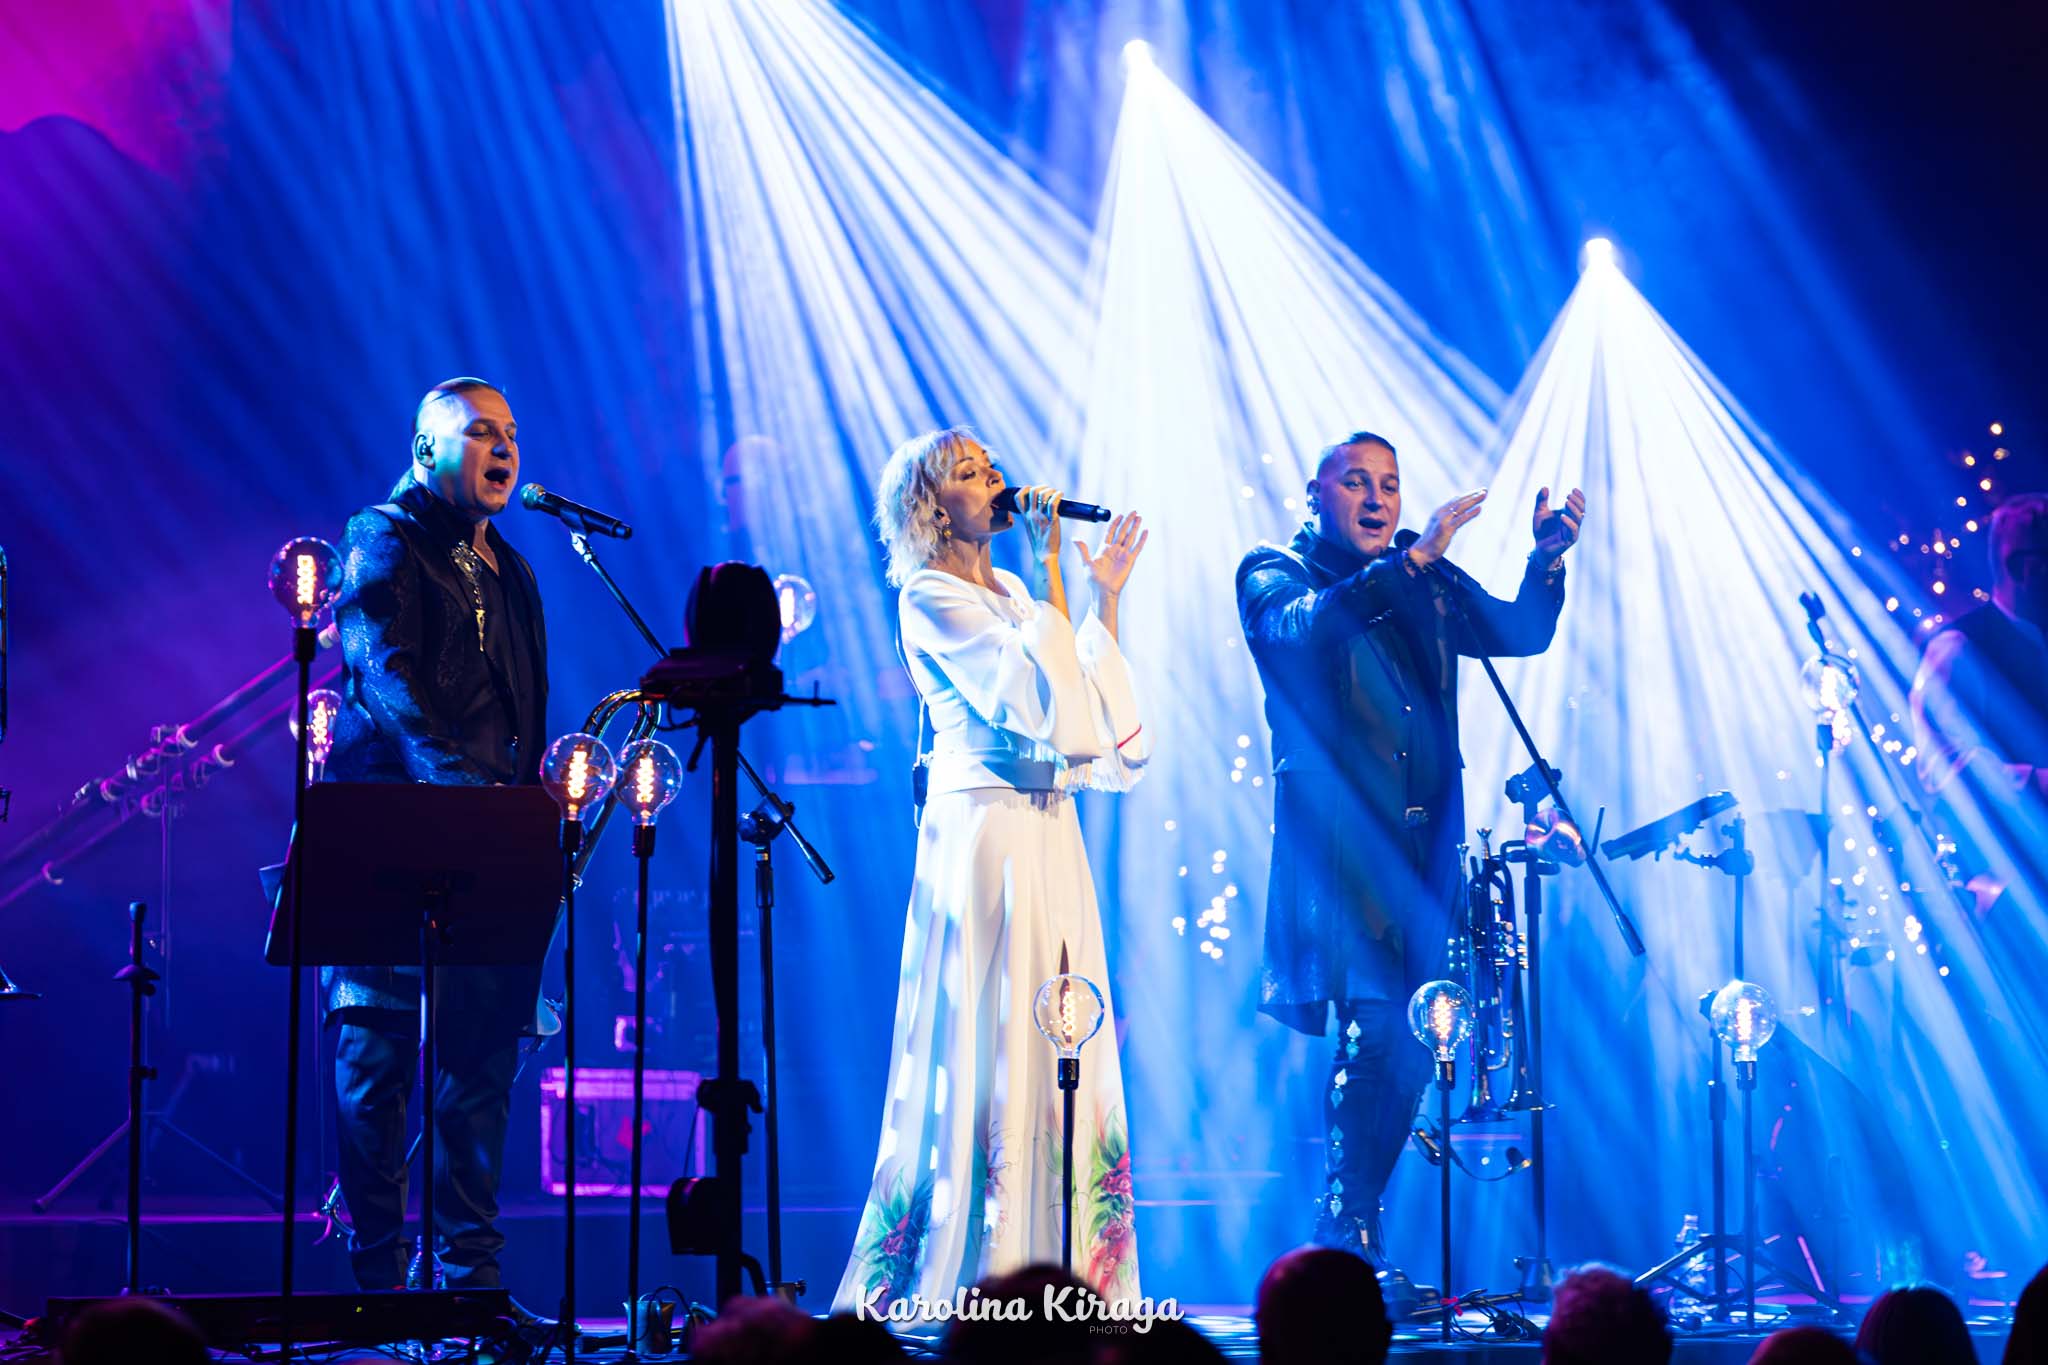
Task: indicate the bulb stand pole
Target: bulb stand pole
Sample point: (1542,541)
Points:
(1070,1081)
(760,831)
(1537,1278)
(643,853)
(1446,1077)
(1745,1081)
(760,827)
(305,645)
(572,839)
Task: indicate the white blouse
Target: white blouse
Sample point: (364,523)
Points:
(1018,698)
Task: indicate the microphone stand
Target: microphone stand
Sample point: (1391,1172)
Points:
(643,849)
(759,828)
(1452,598)
(581,541)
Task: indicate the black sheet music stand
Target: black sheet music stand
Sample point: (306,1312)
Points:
(407,874)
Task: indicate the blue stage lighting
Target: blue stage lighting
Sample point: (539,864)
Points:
(1676,671)
(1234,337)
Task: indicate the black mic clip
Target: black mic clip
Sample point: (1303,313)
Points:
(1814,612)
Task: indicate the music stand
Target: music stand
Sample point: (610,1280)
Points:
(414,875)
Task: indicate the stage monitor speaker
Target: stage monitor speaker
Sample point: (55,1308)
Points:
(674,1146)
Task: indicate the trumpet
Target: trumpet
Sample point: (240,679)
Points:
(1491,954)
(601,717)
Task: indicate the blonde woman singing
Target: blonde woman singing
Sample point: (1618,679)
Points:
(1025,708)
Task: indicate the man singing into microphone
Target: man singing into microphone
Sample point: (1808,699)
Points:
(1356,637)
(445,665)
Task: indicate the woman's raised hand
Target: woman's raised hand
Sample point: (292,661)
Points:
(1110,568)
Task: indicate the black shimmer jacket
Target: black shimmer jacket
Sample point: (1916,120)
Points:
(422,700)
(1359,660)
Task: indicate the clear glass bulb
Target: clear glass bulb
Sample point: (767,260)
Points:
(1744,1017)
(1440,1014)
(305,578)
(798,604)
(578,771)
(650,775)
(1829,683)
(322,706)
(1069,1011)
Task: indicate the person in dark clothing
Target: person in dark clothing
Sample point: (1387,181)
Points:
(1980,723)
(444,657)
(1356,635)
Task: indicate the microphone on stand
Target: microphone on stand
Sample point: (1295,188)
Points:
(586,519)
(1073,511)
(1404,539)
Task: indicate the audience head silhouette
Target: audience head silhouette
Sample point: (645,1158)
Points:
(1915,1325)
(1598,1317)
(1318,1305)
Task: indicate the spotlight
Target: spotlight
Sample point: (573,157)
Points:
(1137,55)
(1598,251)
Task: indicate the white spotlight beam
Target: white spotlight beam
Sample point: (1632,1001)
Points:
(1234,337)
(869,268)
(1675,672)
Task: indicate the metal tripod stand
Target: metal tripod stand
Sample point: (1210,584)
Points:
(1737,862)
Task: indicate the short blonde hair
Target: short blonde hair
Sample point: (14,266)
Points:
(907,498)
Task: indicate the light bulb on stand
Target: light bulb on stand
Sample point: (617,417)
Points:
(650,775)
(1829,683)
(578,772)
(1069,1011)
(1744,1017)
(1440,1016)
(798,604)
(305,578)
(322,709)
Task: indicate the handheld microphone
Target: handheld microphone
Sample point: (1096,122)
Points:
(1073,511)
(1402,540)
(586,519)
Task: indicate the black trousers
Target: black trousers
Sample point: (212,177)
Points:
(376,1062)
(1377,1075)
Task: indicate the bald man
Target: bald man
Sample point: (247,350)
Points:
(1357,642)
(444,655)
